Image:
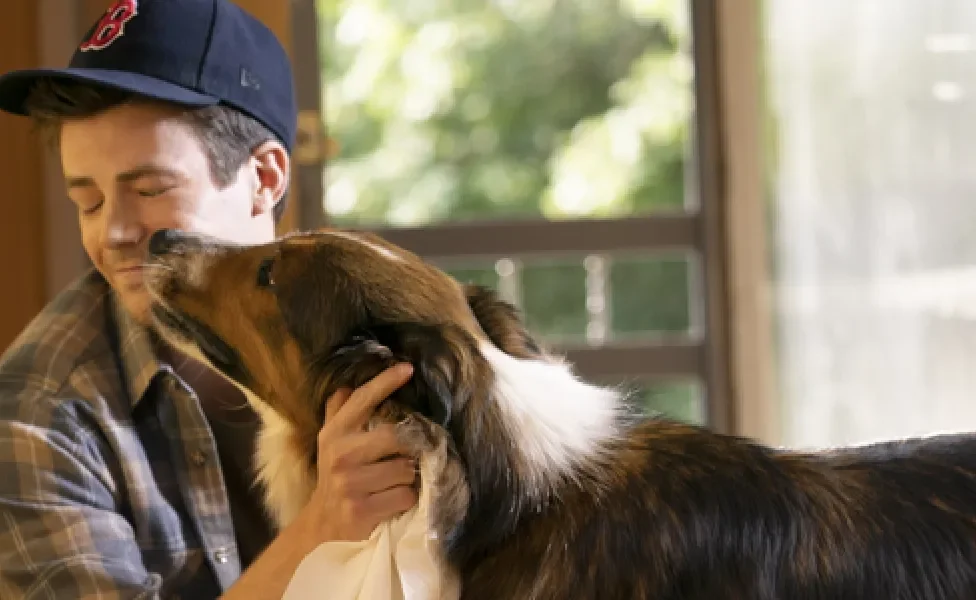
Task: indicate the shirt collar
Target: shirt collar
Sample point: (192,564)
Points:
(139,353)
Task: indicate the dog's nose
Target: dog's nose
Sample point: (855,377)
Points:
(162,241)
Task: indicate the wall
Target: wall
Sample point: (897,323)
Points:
(22,237)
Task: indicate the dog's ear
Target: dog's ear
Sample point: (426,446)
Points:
(436,352)
(501,322)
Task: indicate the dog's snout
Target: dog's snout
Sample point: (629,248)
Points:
(162,241)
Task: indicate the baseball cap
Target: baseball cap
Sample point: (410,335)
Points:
(194,53)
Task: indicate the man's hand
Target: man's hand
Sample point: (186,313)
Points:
(364,477)
(363,481)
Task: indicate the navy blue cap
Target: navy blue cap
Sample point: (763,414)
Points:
(194,53)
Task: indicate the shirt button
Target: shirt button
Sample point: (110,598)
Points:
(198,458)
(221,555)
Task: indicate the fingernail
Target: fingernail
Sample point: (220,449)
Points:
(405,369)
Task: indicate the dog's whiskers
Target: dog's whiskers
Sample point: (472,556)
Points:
(159,266)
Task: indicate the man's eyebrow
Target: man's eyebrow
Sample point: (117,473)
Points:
(146,171)
(124,177)
(78,182)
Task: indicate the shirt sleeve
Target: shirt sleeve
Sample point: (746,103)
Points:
(61,532)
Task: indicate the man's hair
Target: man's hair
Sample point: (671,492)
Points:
(226,135)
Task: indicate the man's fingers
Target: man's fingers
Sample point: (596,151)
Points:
(335,402)
(381,476)
(391,503)
(357,409)
(367,447)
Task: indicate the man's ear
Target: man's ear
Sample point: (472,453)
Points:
(272,167)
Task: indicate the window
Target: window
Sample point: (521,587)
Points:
(552,149)
(872,104)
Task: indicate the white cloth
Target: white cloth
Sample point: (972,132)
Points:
(398,561)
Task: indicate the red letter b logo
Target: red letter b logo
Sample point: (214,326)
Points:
(110,27)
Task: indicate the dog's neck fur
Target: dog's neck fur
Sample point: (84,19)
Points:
(555,422)
(527,437)
(524,442)
(280,463)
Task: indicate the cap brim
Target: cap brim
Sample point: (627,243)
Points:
(15,86)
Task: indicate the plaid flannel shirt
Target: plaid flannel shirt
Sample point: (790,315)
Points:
(110,485)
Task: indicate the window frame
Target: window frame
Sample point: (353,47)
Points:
(730,356)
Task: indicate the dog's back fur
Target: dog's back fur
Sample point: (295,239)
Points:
(675,511)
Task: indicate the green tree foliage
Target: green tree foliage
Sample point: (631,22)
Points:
(451,110)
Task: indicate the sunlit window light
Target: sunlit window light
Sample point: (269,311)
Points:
(948,91)
(945,43)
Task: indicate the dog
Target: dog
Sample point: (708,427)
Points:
(554,487)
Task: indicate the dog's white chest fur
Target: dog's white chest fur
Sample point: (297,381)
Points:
(285,475)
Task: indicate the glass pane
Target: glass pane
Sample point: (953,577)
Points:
(874,106)
(554,299)
(650,294)
(591,300)
(448,110)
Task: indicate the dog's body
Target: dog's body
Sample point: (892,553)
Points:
(556,488)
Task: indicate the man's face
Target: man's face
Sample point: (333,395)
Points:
(138,168)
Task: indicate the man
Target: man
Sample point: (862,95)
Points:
(124,467)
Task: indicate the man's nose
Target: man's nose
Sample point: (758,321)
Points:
(122,224)
(163,241)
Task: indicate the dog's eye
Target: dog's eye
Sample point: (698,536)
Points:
(265,278)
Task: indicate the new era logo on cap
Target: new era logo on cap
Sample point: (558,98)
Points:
(112,25)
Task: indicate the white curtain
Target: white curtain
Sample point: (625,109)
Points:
(873,197)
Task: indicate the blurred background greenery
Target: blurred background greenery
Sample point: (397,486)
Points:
(465,110)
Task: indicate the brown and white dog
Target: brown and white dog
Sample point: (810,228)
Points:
(555,488)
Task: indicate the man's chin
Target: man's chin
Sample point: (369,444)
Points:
(137,304)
